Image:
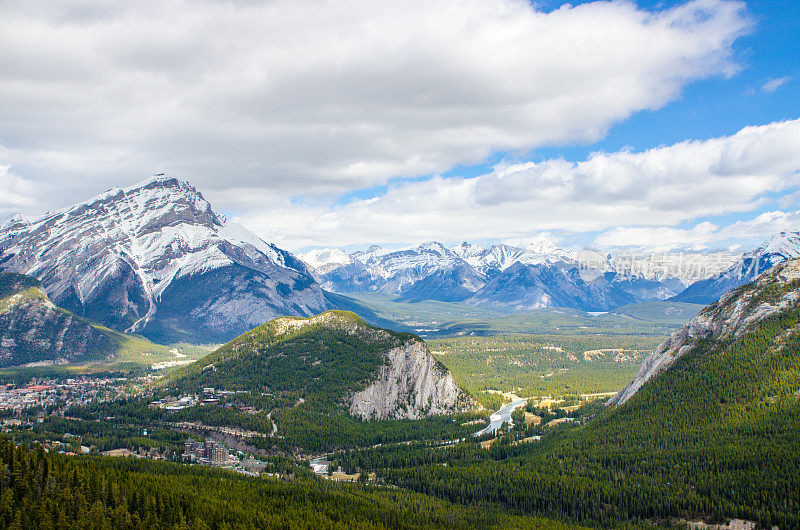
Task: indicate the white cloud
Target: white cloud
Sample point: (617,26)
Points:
(771,85)
(703,235)
(660,238)
(16,193)
(315,98)
(761,227)
(656,189)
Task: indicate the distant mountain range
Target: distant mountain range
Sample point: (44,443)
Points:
(539,275)
(155,259)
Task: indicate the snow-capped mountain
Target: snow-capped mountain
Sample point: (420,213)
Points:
(429,271)
(398,271)
(522,286)
(684,267)
(502,256)
(777,249)
(542,275)
(326,259)
(155,258)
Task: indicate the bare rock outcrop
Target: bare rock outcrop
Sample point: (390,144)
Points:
(411,385)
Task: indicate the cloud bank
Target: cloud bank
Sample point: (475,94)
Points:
(316,98)
(631,198)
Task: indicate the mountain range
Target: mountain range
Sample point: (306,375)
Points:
(539,275)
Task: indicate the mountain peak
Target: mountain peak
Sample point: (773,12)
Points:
(542,245)
(331,319)
(785,244)
(129,251)
(16,220)
(326,258)
(433,246)
(466,249)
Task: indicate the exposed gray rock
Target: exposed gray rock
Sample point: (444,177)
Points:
(33,330)
(411,385)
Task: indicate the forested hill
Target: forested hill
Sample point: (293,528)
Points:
(327,360)
(324,356)
(40,490)
(34,330)
(715,435)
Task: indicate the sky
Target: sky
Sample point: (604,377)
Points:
(647,125)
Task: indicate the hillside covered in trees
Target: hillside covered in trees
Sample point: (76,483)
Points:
(40,490)
(716,435)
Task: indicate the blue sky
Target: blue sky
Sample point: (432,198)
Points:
(652,125)
(720,106)
(765,89)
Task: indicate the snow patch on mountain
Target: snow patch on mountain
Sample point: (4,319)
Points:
(777,249)
(326,259)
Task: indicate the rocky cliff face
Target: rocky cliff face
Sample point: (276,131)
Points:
(412,385)
(733,314)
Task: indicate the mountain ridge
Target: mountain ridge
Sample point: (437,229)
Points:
(34,331)
(777,249)
(477,275)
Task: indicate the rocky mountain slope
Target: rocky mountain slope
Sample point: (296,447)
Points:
(536,286)
(155,258)
(333,362)
(736,313)
(777,249)
(34,330)
(411,385)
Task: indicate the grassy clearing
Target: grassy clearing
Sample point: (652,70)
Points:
(541,365)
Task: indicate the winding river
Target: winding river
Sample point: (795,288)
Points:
(503,415)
